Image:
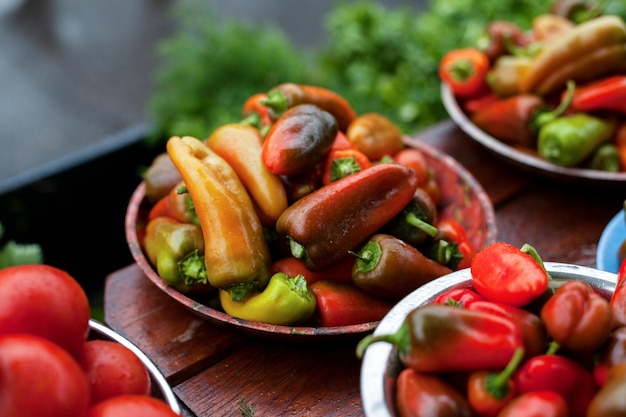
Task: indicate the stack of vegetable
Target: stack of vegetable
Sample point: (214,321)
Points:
(302,212)
(512,344)
(557,90)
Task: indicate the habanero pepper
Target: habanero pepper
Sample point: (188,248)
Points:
(536,404)
(441,338)
(561,375)
(415,223)
(236,251)
(419,394)
(177,204)
(285,301)
(577,318)
(341,271)
(334,219)
(241,146)
(299,139)
(389,267)
(375,135)
(464,70)
(287,95)
(340,163)
(618,298)
(343,304)
(175,249)
(610,400)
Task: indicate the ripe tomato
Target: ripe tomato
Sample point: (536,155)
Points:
(44,301)
(131,406)
(112,370)
(40,379)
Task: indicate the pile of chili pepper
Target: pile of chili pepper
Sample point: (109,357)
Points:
(516,342)
(514,85)
(301,213)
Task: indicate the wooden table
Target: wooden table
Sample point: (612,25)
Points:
(212,368)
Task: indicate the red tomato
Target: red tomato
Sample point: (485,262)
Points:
(44,301)
(40,379)
(112,370)
(132,406)
(501,272)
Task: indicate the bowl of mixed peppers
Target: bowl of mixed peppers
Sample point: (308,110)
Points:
(509,336)
(303,218)
(549,98)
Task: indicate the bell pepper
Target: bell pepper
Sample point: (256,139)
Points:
(451,245)
(343,304)
(569,140)
(287,95)
(375,135)
(299,139)
(504,273)
(177,204)
(618,298)
(561,375)
(236,251)
(464,70)
(240,146)
(285,301)
(458,297)
(612,353)
(418,394)
(160,177)
(175,249)
(336,218)
(340,163)
(415,223)
(576,317)
(440,338)
(341,271)
(580,49)
(536,404)
(388,267)
(605,94)
(488,392)
(611,399)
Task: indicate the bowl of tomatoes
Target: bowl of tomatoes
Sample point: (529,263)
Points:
(423,349)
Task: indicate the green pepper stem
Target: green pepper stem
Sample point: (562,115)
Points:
(193,268)
(420,224)
(277,101)
(401,340)
(544,118)
(530,250)
(553,348)
(253,119)
(498,384)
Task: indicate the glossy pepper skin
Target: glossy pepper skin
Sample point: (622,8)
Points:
(298,140)
(415,223)
(441,338)
(577,318)
(536,404)
(340,163)
(389,267)
(605,94)
(175,249)
(285,301)
(241,146)
(375,135)
(419,394)
(177,204)
(611,399)
(569,140)
(451,245)
(335,219)
(236,251)
(561,375)
(341,271)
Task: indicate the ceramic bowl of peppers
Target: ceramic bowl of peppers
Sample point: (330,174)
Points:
(507,336)
(304,219)
(549,99)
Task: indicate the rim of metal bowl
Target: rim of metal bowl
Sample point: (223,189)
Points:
(377,373)
(159,383)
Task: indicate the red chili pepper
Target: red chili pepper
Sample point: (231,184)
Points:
(488,392)
(255,105)
(452,246)
(419,395)
(341,271)
(341,304)
(464,70)
(414,158)
(343,162)
(458,297)
(577,317)
(564,376)
(536,404)
(441,338)
(176,204)
(618,299)
(504,273)
(477,104)
(605,94)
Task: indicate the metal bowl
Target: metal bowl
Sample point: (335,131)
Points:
(160,387)
(381,364)
(462,196)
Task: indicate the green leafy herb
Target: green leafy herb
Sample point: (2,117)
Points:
(13,253)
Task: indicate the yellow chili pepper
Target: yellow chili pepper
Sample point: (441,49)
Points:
(236,251)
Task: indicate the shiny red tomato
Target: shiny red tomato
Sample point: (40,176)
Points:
(112,370)
(131,406)
(40,379)
(44,301)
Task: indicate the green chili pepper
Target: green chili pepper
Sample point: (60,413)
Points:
(285,301)
(605,158)
(569,140)
(175,249)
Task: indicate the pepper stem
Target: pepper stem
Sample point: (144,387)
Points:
(276,101)
(193,268)
(498,384)
(530,250)
(401,340)
(547,117)
(552,348)
(420,224)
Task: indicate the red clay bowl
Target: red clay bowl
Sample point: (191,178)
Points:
(463,197)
